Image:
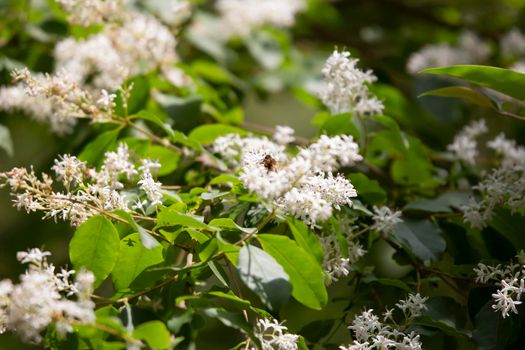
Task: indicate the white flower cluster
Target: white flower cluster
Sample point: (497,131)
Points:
(335,264)
(412,306)
(40,299)
(57,99)
(139,45)
(90,12)
(136,43)
(464,146)
(87,192)
(241,17)
(370,333)
(272,335)
(469,50)
(385,219)
(510,280)
(302,186)
(512,44)
(283,135)
(503,186)
(346,87)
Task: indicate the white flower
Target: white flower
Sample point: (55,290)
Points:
(385,219)
(370,333)
(272,335)
(241,17)
(464,146)
(69,169)
(330,153)
(106,99)
(283,135)
(33,256)
(151,187)
(91,12)
(413,305)
(302,186)
(512,44)
(37,301)
(469,50)
(346,86)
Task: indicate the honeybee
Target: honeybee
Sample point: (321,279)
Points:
(269,163)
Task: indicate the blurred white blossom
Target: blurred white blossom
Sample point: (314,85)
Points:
(241,17)
(346,87)
(40,299)
(464,146)
(503,186)
(512,44)
(283,135)
(470,49)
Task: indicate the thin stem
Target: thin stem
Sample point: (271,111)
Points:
(260,226)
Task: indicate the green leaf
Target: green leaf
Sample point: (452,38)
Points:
(153,118)
(509,226)
(340,124)
(306,274)
(442,204)
(213,72)
(229,224)
(423,237)
(95,246)
(94,150)
(171,217)
(306,239)
(138,96)
(229,319)
(387,282)
(206,134)
(462,92)
(263,275)
(133,259)
(6,143)
(154,333)
(506,81)
(147,240)
(369,190)
(492,331)
(184,111)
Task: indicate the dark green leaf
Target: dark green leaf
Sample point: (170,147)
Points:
(463,92)
(369,190)
(94,150)
(423,237)
(229,319)
(492,331)
(509,226)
